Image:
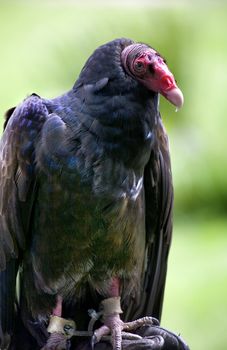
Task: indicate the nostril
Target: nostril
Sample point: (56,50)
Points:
(151,68)
(167,82)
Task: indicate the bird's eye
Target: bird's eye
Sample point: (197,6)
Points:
(139,67)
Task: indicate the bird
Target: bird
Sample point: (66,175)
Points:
(86,201)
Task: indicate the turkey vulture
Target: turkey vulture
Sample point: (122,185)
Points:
(86,201)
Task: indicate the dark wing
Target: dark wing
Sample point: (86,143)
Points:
(17,187)
(159,202)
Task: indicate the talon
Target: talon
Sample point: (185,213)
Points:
(101,332)
(130,336)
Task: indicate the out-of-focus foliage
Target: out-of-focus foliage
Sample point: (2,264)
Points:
(44,45)
(195,299)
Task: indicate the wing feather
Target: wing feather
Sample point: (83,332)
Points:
(160,228)
(158,217)
(17,166)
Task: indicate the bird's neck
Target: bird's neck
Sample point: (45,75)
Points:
(124,127)
(119,126)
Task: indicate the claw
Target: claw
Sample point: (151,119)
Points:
(130,336)
(114,326)
(101,332)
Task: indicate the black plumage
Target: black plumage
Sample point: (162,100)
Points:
(86,195)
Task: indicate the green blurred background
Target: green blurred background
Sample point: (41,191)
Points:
(43,45)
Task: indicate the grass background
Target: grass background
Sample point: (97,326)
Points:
(43,46)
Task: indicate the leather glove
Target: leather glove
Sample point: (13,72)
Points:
(153,338)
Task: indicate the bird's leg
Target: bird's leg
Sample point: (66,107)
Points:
(111,310)
(60,329)
(57,311)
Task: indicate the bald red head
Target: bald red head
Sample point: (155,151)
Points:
(147,66)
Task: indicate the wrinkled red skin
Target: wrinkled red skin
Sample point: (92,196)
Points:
(148,67)
(157,76)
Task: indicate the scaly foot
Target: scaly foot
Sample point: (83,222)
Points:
(61,330)
(114,326)
(57,341)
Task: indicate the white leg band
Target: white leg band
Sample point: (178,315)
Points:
(111,306)
(62,326)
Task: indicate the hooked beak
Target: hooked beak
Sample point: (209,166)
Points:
(159,79)
(170,90)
